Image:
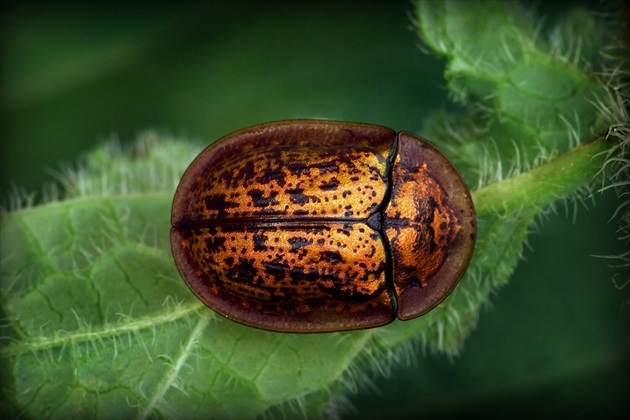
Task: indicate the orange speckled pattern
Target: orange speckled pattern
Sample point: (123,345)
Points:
(328,272)
(419,226)
(431,224)
(293,262)
(315,226)
(291,181)
(334,172)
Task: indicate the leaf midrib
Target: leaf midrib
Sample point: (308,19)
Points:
(61,339)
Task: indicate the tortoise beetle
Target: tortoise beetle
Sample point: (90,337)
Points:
(319,226)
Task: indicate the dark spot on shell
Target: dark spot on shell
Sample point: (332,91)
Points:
(329,185)
(213,243)
(260,242)
(259,199)
(219,203)
(298,243)
(243,272)
(332,257)
(276,270)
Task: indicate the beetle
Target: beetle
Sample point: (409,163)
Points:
(321,226)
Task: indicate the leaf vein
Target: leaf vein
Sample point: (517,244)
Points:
(171,375)
(62,338)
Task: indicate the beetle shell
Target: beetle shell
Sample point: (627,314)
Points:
(315,226)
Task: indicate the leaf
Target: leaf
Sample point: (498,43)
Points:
(98,322)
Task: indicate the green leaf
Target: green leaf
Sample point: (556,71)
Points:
(537,99)
(98,322)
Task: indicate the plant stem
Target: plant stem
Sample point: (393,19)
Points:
(533,190)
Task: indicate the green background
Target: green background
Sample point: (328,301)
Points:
(554,341)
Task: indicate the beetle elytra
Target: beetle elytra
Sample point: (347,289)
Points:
(317,226)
